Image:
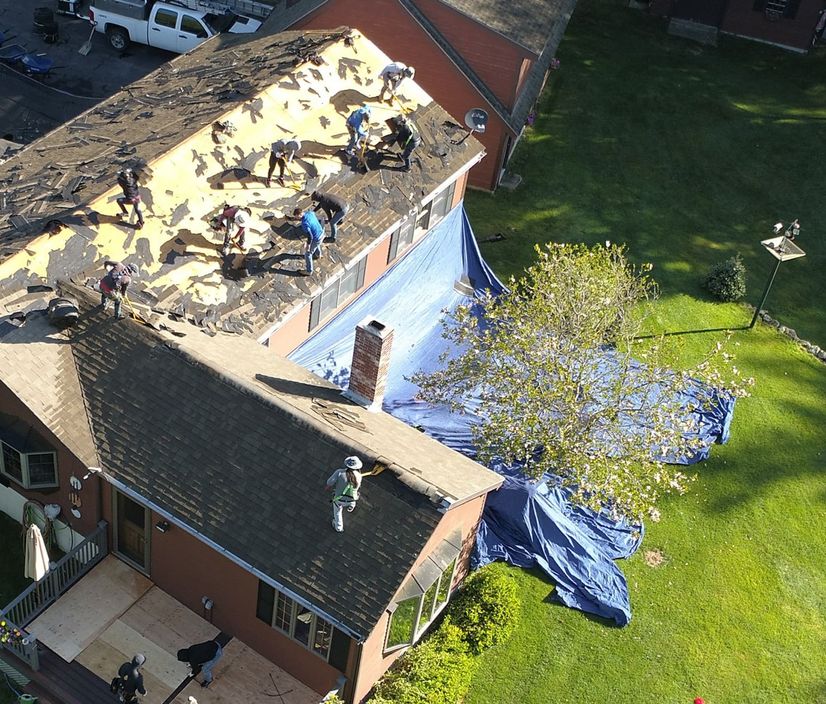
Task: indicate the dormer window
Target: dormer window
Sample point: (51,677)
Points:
(25,457)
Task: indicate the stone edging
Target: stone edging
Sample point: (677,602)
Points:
(817,352)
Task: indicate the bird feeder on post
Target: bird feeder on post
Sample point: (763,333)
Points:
(782,248)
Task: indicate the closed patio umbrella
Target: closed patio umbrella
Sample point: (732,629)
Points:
(37,558)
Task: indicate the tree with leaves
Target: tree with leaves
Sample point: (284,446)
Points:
(561,382)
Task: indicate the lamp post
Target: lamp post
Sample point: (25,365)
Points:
(782,248)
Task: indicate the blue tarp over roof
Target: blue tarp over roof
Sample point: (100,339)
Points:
(526,523)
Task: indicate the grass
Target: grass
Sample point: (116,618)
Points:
(688,154)
(12,581)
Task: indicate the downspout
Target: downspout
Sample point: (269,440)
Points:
(356,672)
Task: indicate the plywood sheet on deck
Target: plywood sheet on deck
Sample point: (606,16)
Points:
(243,675)
(78,617)
(167,622)
(104,660)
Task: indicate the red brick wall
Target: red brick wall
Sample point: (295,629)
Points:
(741,19)
(373,661)
(67,465)
(495,59)
(398,35)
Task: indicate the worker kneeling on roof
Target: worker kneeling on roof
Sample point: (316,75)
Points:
(234,220)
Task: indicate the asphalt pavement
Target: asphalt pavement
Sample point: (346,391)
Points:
(30,107)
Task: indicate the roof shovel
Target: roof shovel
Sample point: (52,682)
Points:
(87,45)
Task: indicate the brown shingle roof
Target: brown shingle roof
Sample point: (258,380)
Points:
(236,443)
(268,85)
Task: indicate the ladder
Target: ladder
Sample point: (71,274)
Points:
(775,9)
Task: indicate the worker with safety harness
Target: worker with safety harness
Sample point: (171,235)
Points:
(114,284)
(405,135)
(345,483)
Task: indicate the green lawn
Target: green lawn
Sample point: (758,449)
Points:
(688,154)
(12,581)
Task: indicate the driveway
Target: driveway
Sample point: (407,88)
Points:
(31,107)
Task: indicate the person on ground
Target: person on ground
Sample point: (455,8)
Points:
(114,283)
(281,154)
(128,181)
(358,125)
(202,658)
(234,220)
(346,484)
(130,679)
(393,75)
(406,136)
(315,234)
(334,207)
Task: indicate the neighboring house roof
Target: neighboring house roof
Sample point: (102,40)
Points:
(236,443)
(524,22)
(538,25)
(285,14)
(303,83)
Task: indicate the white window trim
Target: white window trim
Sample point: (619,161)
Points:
(24,468)
(418,631)
(293,618)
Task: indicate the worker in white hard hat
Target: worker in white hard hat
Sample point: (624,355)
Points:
(234,220)
(345,483)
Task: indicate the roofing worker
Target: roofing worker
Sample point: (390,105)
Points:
(130,680)
(114,284)
(282,153)
(345,483)
(393,75)
(334,207)
(235,220)
(202,657)
(406,136)
(128,181)
(315,234)
(358,125)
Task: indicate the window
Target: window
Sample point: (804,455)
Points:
(33,470)
(402,238)
(302,625)
(192,26)
(441,204)
(423,218)
(166,18)
(424,595)
(337,293)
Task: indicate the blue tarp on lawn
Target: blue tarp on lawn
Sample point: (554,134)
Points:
(526,523)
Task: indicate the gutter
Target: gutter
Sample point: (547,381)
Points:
(132,494)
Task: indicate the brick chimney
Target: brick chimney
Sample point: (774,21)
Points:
(371,360)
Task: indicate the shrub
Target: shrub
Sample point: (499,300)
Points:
(726,280)
(437,671)
(486,609)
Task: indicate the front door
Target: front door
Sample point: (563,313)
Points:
(132,531)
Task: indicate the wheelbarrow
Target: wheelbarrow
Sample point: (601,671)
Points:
(12,53)
(37,64)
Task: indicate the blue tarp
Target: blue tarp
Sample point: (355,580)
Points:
(526,523)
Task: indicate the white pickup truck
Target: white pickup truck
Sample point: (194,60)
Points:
(173,26)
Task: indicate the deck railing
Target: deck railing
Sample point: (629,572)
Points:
(39,596)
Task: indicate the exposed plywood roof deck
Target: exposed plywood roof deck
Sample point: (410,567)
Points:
(268,88)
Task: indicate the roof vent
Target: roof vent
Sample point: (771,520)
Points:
(63,312)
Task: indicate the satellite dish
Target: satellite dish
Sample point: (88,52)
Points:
(476,119)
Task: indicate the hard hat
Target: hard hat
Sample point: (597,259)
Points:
(366,109)
(242,218)
(139,660)
(352,462)
(134,269)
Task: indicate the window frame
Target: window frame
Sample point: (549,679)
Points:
(163,12)
(441,204)
(402,238)
(420,627)
(333,291)
(25,476)
(200,32)
(294,607)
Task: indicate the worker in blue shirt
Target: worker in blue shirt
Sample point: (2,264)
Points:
(358,125)
(315,234)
